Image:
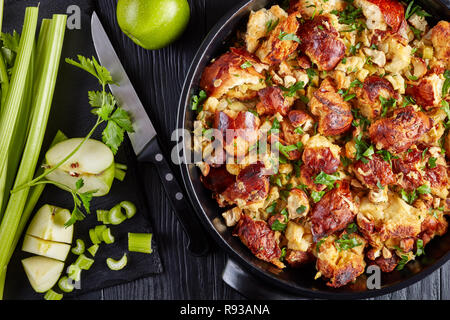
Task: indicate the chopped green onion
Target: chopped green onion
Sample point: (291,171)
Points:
(140,242)
(93,249)
(107,236)
(94,237)
(116,216)
(74,272)
(84,262)
(117,264)
(65,285)
(52,295)
(79,249)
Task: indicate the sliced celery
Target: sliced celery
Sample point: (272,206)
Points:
(79,249)
(84,262)
(52,295)
(102,216)
(93,249)
(119,174)
(94,237)
(99,231)
(117,264)
(140,242)
(129,207)
(107,236)
(65,285)
(41,108)
(74,272)
(116,216)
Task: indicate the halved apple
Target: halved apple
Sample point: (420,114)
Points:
(48,224)
(42,272)
(50,249)
(93,162)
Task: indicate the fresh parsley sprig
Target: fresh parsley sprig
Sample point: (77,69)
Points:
(105,105)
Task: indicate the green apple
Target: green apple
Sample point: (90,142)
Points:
(93,162)
(50,249)
(42,272)
(153,24)
(48,224)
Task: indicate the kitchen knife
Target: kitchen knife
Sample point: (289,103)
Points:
(144,138)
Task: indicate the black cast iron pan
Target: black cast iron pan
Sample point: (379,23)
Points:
(256,278)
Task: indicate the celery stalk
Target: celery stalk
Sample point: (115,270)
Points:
(11,109)
(41,109)
(18,140)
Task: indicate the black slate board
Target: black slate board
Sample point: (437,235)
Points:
(71,114)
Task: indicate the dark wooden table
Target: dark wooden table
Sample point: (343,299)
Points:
(158,77)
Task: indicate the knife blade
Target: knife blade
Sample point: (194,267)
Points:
(144,139)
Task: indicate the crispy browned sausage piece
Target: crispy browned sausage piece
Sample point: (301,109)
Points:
(407,164)
(373,173)
(432,227)
(393,12)
(440,36)
(297,258)
(387,264)
(333,212)
(275,49)
(218,179)
(340,266)
(225,73)
(321,43)
(272,101)
(397,133)
(258,237)
(369,95)
(335,116)
(251,185)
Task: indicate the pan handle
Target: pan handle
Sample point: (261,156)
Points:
(251,287)
(198,241)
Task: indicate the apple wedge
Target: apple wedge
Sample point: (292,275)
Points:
(48,224)
(93,162)
(50,249)
(42,272)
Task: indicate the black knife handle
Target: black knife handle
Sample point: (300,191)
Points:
(198,242)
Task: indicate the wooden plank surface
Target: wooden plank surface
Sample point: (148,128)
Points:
(158,77)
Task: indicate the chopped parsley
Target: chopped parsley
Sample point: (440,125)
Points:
(317,195)
(420,249)
(364,151)
(387,156)
(401,264)
(327,179)
(284,36)
(292,90)
(346,243)
(271,208)
(386,104)
(197,99)
(270,25)
(301,209)
(408,197)
(246,64)
(411,9)
(446,85)
(432,162)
